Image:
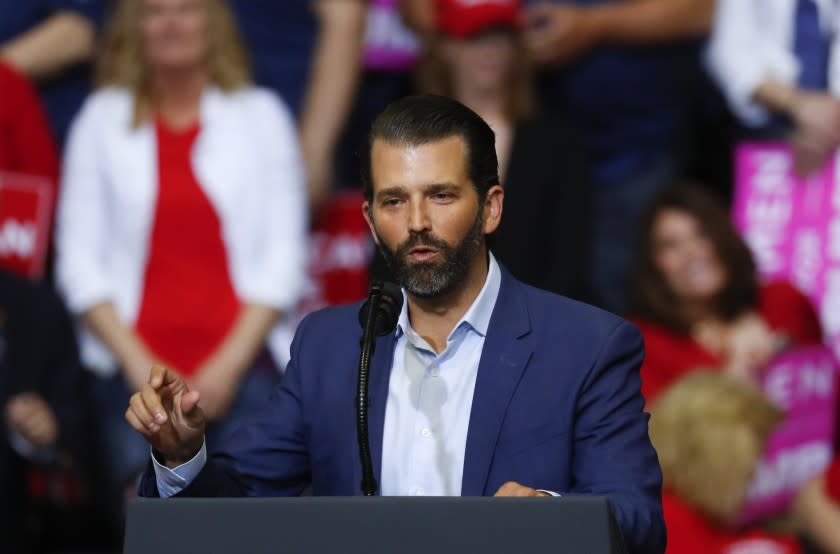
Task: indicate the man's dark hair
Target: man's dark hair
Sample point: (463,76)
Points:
(425,118)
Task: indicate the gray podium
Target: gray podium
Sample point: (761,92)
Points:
(350,525)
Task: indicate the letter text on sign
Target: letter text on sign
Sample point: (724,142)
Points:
(803,383)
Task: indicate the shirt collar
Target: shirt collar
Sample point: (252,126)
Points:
(479,313)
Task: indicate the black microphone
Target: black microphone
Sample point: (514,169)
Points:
(378,316)
(390,306)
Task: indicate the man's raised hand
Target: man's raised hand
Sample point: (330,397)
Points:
(166,412)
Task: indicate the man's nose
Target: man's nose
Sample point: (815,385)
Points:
(418,217)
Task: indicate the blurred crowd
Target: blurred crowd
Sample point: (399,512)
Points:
(198,148)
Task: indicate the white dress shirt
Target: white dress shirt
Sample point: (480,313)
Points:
(427,413)
(247,161)
(752,41)
(429,401)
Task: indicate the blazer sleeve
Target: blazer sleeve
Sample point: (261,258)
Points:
(268,456)
(82,225)
(613,455)
(274,261)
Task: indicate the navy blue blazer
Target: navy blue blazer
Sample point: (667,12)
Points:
(557,406)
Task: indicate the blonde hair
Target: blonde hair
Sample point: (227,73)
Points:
(123,64)
(709,431)
(434,76)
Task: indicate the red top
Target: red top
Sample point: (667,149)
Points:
(671,355)
(189,304)
(690,532)
(832,479)
(26,145)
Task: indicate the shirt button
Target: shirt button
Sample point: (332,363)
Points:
(412,491)
(419,492)
(426,433)
(435,372)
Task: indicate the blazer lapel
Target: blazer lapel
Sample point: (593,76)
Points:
(380,372)
(503,361)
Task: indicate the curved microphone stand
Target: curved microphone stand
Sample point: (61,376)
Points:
(378,317)
(368,342)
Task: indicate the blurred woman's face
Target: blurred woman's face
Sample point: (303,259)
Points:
(686,257)
(175,33)
(483,61)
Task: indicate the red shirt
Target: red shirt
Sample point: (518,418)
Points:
(26,145)
(189,304)
(690,532)
(671,355)
(832,479)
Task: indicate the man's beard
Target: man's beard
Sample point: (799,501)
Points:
(434,279)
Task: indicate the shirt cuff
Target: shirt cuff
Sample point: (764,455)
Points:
(549,493)
(172,481)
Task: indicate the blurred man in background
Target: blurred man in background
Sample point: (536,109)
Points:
(42,403)
(609,67)
(308,51)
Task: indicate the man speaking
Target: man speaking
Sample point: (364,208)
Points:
(487,386)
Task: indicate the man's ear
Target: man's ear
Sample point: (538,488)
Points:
(493,204)
(368,215)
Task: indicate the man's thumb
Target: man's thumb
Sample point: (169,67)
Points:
(189,406)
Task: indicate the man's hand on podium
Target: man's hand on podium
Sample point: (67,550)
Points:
(512,488)
(166,412)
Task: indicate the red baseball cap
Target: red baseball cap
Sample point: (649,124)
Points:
(465,18)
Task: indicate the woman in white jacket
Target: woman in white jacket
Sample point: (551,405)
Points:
(181,223)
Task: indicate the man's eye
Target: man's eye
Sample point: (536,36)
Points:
(391,202)
(443,196)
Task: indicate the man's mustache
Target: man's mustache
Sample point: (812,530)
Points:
(422,239)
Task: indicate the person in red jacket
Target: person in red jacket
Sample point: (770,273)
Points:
(26,145)
(698,300)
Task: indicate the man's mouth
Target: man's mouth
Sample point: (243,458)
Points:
(422,253)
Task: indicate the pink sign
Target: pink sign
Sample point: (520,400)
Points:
(389,45)
(803,383)
(792,225)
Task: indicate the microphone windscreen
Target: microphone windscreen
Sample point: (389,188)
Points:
(390,306)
